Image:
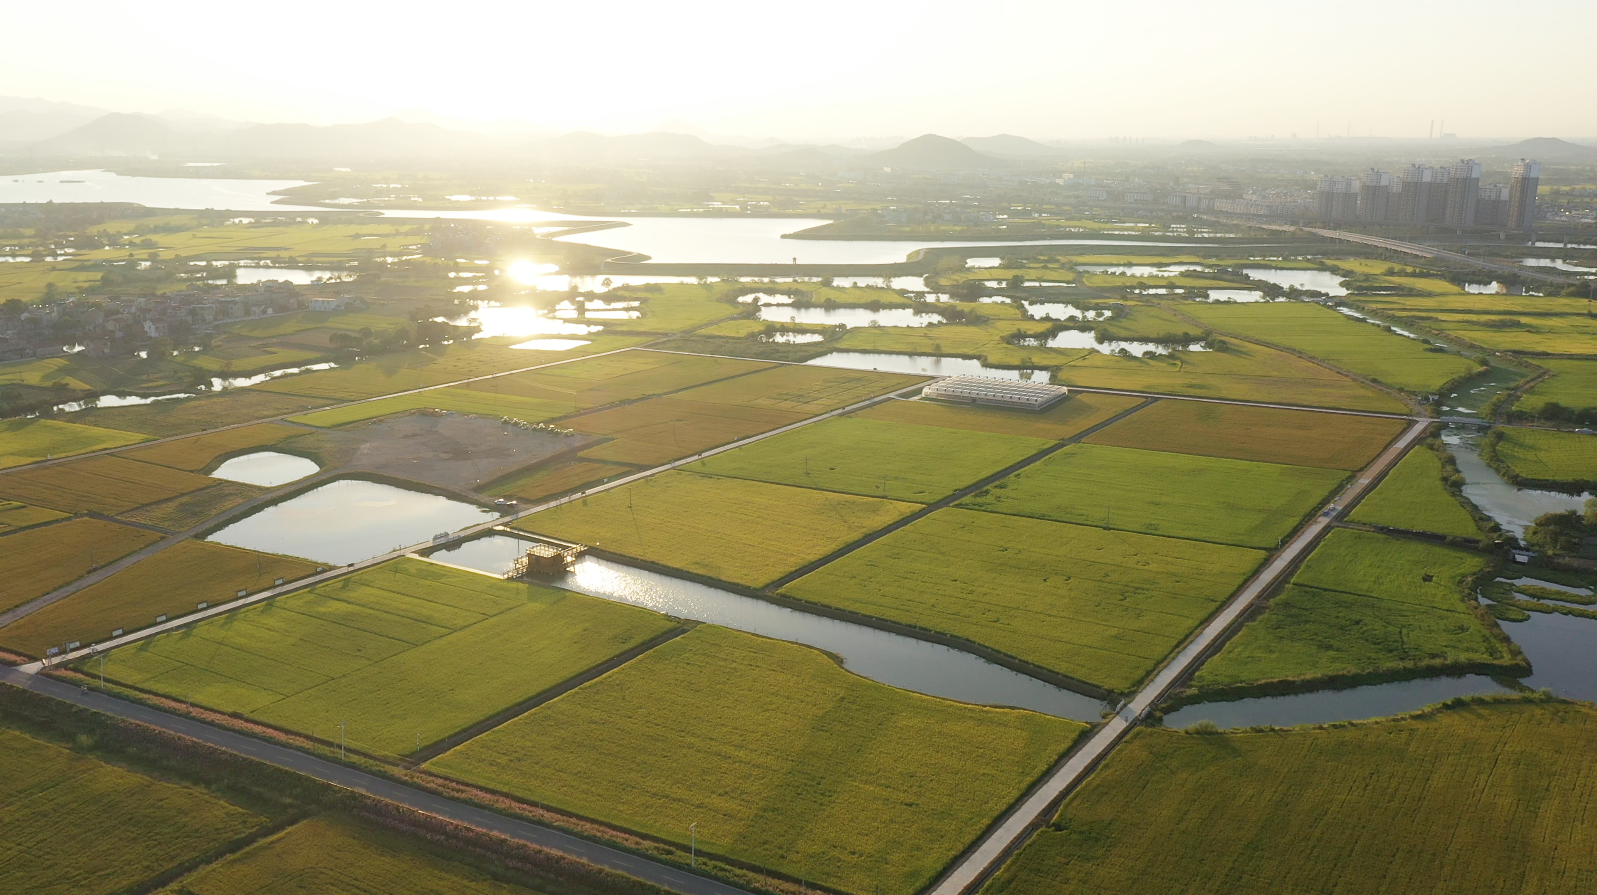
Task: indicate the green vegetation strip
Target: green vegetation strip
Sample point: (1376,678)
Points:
(1470,801)
(31,440)
(81,826)
(749,533)
(783,760)
(897,461)
(1174,495)
(1364,604)
(1347,343)
(393,652)
(1414,497)
(1100,606)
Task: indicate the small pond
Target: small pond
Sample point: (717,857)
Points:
(930,365)
(1077,338)
(792,338)
(892,659)
(850,317)
(349,520)
(1141,270)
(295,275)
(267,469)
(1240,296)
(1051,311)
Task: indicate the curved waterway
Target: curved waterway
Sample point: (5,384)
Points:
(892,659)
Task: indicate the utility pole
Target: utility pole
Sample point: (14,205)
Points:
(693,855)
(341,740)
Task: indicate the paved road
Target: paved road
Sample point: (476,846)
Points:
(339,571)
(1010,831)
(1425,251)
(353,779)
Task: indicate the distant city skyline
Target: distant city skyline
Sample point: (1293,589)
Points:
(1228,69)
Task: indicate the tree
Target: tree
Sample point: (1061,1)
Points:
(1557,532)
(1590,516)
(13,307)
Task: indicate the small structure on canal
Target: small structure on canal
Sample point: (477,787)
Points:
(546,559)
(996,392)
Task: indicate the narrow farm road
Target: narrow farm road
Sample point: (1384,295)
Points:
(664,875)
(974,866)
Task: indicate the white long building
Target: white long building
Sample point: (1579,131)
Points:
(996,392)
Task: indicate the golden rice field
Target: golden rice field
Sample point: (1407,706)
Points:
(1242,432)
(200,451)
(105,484)
(39,560)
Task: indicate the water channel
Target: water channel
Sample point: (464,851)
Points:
(892,659)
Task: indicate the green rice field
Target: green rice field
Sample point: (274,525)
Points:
(1543,455)
(374,650)
(458,400)
(1214,499)
(1363,603)
(1414,497)
(1243,432)
(1100,606)
(736,530)
(1573,384)
(897,461)
(79,826)
(30,440)
(782,759)
(1080,412)
(1476,800)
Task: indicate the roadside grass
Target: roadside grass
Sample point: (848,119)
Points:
(184,415)
(782,759)
(171,582)
(660,430)
(545,480)
(1547,456)
(1240,432)
(1347,343)
(746,532)
(78,825)
(185,511)
(387,651)
(1573,384)
(1472,800)
(29,440)
(625,376)
(332,856)
(14,516)
(36,561)
(1243,371)
(1239,502)
(1079,412)
(200,451)
(896,461)
(1363,603)
(801,389)
(1414,497)
(1100,606)
(1529,333)
(458,400)
(363,380)
(107,484)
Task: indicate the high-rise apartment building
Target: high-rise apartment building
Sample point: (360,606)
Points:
(1414,194)
(1491,209)
(1337,198)
(1522,194)
(1375,193)
(1463,191)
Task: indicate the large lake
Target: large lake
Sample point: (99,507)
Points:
(668,240)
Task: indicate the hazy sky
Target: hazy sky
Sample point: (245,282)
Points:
(1040,68)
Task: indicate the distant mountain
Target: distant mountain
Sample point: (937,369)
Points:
(1549,149)
(1197,146)
(498,127)
(389,138)
(19,126)
(1011,146)
(24,104)
(583,147)
(932,151)
(117,134)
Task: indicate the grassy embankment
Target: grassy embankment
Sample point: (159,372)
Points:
(1474,800)
(1364,607)
(782,759)
(375,650)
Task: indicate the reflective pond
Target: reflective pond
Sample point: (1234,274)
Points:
(1317,280)
(850,317)
(930,365)
(349,520)
(267,469)
(892,659)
